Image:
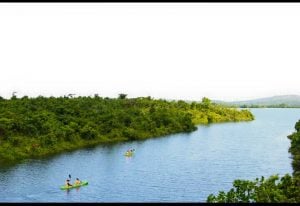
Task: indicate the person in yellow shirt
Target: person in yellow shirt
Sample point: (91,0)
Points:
(77,181)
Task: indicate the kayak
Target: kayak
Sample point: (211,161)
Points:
(74,186)
(128,154)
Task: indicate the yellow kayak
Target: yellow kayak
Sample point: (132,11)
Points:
(128,154)
(74,186)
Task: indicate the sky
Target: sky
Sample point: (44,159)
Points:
(223,51)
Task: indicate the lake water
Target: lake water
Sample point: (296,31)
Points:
(184,167)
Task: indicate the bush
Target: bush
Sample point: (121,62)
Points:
(88,133)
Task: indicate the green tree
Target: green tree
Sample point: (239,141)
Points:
(122,96)
(206,101)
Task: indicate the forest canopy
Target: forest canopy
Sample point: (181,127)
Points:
(33,127)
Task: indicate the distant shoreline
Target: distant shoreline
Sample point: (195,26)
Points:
(292,107)
(283,101)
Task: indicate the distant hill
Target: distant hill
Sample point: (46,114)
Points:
(275,101)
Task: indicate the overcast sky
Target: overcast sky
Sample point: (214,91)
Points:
(223,51)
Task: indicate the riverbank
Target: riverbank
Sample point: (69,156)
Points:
(274,189)
(36,127)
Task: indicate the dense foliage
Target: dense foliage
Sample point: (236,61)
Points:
(33,127)
(272,189)
(295,149)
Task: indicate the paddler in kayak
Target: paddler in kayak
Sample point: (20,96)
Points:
(77,181)
(128,152)
(68,183)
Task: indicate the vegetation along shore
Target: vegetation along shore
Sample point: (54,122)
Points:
(40,126)
(274,189)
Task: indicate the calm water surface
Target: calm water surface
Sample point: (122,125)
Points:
(175,168)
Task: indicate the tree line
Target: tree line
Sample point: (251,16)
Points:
(34,127)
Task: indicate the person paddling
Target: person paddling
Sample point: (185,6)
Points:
(68,183)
